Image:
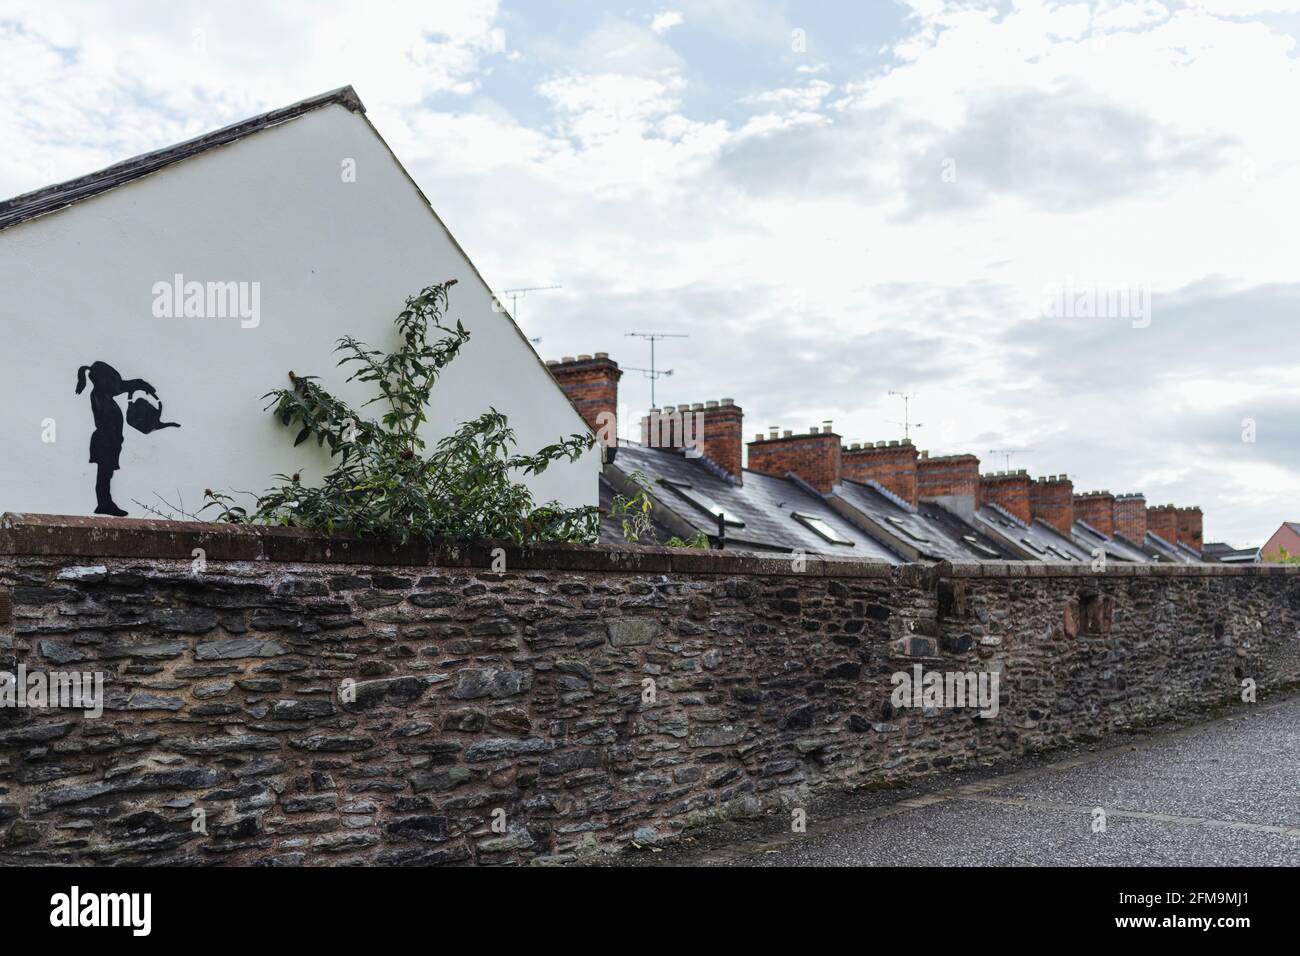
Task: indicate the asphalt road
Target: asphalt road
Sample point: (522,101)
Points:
(1225,793)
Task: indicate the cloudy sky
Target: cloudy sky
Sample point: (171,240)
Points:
(833,200)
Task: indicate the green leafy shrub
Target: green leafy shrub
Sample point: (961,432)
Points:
(383,483)
(635,514)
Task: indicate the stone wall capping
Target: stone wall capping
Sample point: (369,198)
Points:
(34,535)
(39,535)
(845,568)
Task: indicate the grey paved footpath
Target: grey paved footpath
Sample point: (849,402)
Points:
(1225,793)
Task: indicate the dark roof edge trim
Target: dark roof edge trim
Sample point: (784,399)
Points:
(60,195)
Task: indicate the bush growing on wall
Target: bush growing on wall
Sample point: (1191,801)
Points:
(383,483)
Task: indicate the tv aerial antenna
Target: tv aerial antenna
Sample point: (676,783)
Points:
(1006,453)
(653,372)
(907,422)
(516,294)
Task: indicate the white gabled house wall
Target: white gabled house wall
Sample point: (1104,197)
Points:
(331,258)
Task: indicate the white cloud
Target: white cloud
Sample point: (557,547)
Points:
(665,20)
(87,84)
(1245,8)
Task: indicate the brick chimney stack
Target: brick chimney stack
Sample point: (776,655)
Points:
(1008,490)
(1163,520)
(1097,508)
(713,429)
(1051,500)
(723,434)
(815,457)
(1189,527)
(1131,517)
(591,382)
(947,476)
(891,464)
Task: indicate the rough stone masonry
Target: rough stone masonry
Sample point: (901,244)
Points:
(279,698)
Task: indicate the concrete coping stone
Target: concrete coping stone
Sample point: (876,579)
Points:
(73,536)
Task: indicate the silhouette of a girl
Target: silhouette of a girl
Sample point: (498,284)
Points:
(106,440)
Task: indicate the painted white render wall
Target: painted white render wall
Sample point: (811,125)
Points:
(333,258)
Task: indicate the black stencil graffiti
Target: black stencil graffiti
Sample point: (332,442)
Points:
(106,440)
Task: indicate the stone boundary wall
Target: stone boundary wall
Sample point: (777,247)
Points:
(286,698)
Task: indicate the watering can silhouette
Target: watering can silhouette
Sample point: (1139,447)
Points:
(144,416)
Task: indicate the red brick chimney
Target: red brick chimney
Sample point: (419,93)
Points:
(1189,527)
(591,382)
(1163,520)
(722,433)
(1008,490)
(814,457)
(948,476)
(1097,508)
(1131,517)
(891,464)
(1051,500)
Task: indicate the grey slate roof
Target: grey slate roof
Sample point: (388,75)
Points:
(1221,551)
(1036,540)
(1240,556)
(1162,550)
(1119,548)
(764,503)
(935,534)
(50,198)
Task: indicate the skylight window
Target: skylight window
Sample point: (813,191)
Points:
(1064,556)
(702,502)
(1036,549)
(821,528)
(902,526)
